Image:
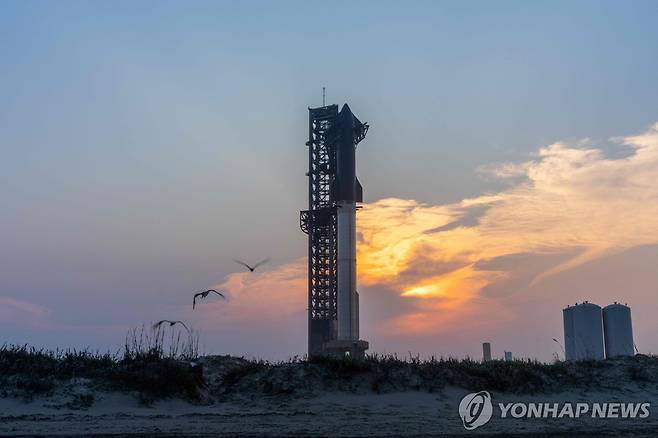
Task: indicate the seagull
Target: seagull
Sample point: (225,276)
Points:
(171,324)
(558,343)
(205,294)
(251,268)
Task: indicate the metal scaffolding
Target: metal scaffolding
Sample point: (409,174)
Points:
(319,222)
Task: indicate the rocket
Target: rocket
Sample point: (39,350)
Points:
(330,223)
(348,192)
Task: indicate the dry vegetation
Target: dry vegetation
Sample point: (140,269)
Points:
(158,364)
(390,373)
(155,363)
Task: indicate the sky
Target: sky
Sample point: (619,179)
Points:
(509,170)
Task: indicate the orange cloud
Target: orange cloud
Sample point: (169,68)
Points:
(570,200)
(267,294)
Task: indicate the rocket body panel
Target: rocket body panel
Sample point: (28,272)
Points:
(348,192)
(346,157)
(346,267)
(350,132)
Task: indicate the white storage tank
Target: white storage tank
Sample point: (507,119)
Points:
(618,330)
(583,332)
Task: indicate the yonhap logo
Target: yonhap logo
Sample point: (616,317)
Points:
(475,409)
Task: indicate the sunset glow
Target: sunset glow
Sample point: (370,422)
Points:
(565,202)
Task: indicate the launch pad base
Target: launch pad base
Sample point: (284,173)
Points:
(345,348)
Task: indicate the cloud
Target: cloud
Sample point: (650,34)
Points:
(571,200)
(12,310)
(264,314)
(266,296)
(570,205)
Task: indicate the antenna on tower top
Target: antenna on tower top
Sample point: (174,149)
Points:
(323,96)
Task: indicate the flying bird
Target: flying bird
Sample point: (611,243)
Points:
(205,294)
(251,268)
(558,343)
(171,324)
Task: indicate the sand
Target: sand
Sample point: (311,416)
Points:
(337,413)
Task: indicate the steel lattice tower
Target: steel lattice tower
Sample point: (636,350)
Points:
(319,222)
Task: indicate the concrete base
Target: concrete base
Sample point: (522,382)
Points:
(354,349)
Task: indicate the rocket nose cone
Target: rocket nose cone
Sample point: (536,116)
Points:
(348,116)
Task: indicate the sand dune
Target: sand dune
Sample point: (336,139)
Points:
(245,398)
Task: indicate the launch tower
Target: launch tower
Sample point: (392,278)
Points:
(330,222)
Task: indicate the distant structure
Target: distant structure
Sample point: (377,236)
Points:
(330,222)
(618,330)
(592,333)
(583,332)
(508,356)
(486,351)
